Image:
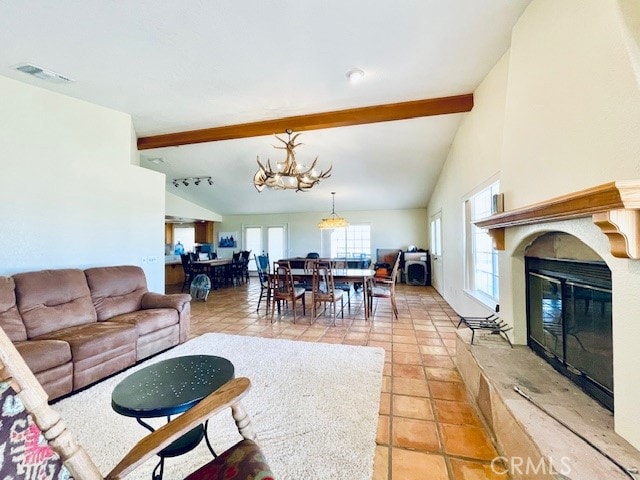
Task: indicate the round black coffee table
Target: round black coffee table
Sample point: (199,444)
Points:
(170,387)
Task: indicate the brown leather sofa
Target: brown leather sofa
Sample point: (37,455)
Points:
(75,327)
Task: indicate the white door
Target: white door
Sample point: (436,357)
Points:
(265,239)
(253,243)
(276,243)
(436,252)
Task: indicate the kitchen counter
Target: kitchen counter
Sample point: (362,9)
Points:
(173,271)
(172,260)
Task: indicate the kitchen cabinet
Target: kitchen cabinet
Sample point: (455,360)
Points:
(168,233)
(173,274)
(204,232)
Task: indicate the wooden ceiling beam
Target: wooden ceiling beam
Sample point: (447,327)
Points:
(314,121)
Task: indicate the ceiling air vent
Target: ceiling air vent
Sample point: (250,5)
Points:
(43,74)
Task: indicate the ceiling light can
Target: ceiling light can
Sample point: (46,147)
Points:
(355,75)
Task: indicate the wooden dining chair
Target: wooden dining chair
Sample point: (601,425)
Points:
(324,290)
(308,270)
(283,289)
(344,286)
(35,441)
(384,287)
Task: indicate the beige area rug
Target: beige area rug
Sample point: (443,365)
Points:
(314,408)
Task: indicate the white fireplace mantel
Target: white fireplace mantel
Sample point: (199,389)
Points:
(614,207)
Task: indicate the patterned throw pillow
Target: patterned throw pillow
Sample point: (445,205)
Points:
(243,461)
(24,452)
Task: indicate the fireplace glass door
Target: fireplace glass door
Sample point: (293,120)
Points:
(545,294)
(589,347)
(570,323)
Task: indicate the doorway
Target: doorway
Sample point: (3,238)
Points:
(270,239)
(436,252)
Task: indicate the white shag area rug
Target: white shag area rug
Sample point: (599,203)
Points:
(314,408)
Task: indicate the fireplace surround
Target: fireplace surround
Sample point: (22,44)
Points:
(605,218)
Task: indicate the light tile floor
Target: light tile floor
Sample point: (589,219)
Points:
(427,428)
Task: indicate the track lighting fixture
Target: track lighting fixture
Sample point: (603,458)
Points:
(196,180)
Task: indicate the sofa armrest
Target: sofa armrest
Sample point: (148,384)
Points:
(158,300)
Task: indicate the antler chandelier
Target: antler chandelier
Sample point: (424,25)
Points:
(288,174)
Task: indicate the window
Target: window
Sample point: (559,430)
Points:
(186,236)
(436,236)
(482,259)
(353,241)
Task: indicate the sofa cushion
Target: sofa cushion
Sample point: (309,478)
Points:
(10,319)
(57,381)
(147,321)
(50,300)
(92,340)
(116,290)
(41,355)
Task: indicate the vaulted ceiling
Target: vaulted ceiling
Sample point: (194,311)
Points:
(197,64)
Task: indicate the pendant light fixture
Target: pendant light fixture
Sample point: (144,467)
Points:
(333,220)
(288,174)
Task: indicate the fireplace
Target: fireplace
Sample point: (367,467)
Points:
(569,319)
(604,219)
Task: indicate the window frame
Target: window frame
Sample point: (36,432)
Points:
(327,246)
(265,241)
(482,274)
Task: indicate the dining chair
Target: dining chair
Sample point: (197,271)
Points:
(262,266)
(244,264)
(36,443)
(384,287)
(344,286)
(236,269)
(282,289)
(308,270)
(190,270)
(324,290)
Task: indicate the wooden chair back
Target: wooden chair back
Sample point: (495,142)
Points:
(324,289)
(282,281)
(282,288)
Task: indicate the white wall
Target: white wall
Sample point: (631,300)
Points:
(176,206)
(569,98)
(573,104)
(70,195)
(389,228)
(474,158)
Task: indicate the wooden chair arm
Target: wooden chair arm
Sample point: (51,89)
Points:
(226,396)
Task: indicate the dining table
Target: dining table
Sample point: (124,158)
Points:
(216,262)
(209,266)
(351,275)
